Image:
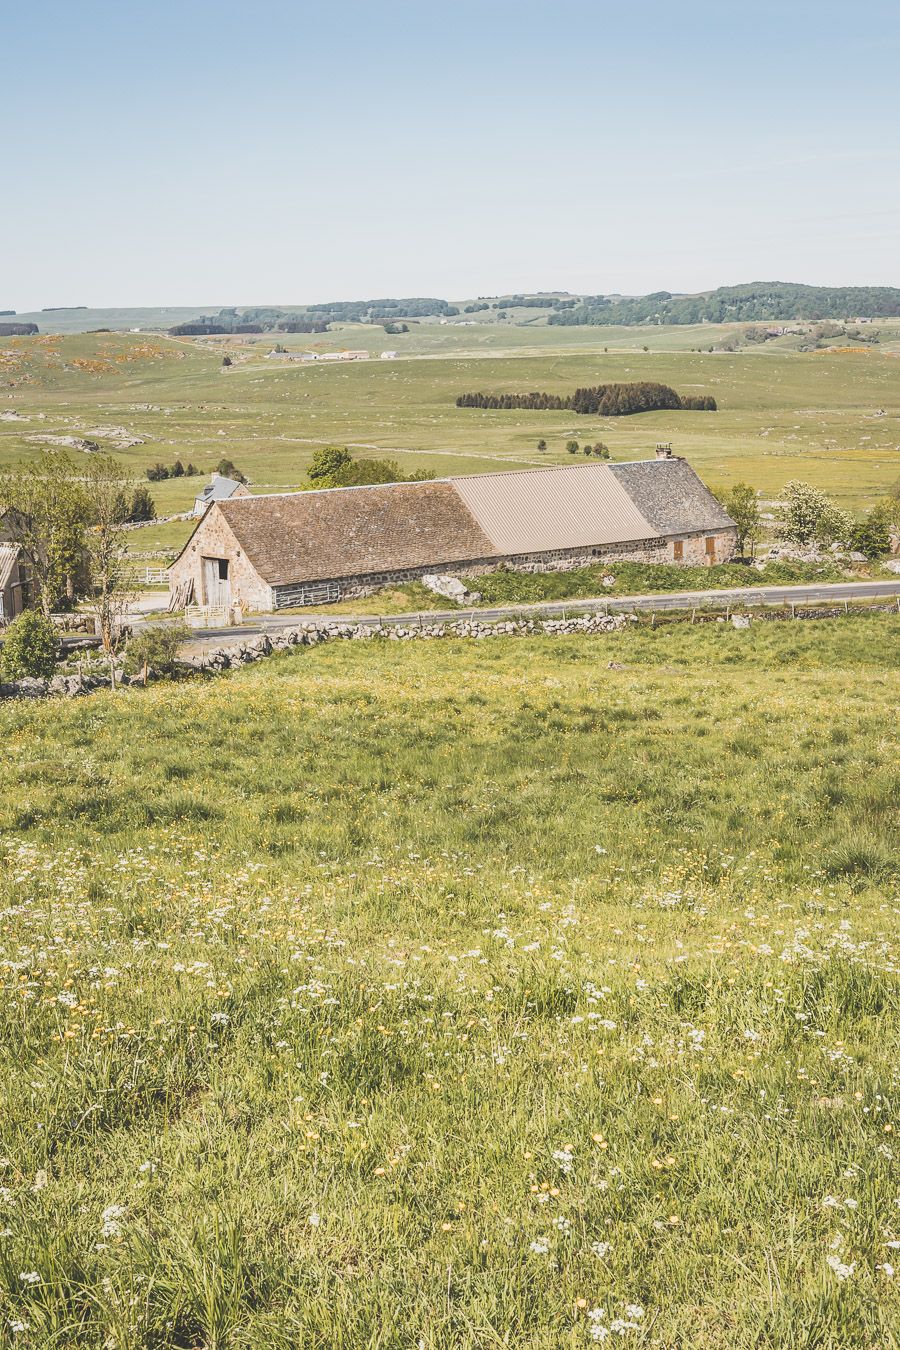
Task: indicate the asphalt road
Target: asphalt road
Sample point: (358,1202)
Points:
(740,598)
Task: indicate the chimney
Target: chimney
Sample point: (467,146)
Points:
(214,476)
(664,452)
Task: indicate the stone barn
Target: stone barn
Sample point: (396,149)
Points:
(305,548)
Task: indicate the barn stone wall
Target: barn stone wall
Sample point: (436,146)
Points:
(213,538)
(657,550)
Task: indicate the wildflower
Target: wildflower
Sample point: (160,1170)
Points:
(219,1019)
(110,1225)
(565,1158)
(540,1247)
(29,1277)
(841,1269)
(314,1220)
(887,1268)
(600,1249)
(562,1224)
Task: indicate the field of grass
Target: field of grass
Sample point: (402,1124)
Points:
(830,418)
(519,993)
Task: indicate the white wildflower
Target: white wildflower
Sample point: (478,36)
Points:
(842,1269)
(29,1277)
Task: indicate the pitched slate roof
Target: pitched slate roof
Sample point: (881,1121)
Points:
(671,496)
(341,532)
(219,490)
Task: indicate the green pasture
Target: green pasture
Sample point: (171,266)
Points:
(458,995)
(830,418)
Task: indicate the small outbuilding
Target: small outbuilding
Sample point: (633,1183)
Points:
(304,548)
(13,583)
(218,489)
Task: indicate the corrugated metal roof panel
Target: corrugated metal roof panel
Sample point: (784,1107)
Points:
(534,510)
(8,555)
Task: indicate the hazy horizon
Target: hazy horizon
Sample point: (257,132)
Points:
(319,154)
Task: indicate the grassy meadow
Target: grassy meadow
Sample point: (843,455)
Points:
(832,418)
(455,995)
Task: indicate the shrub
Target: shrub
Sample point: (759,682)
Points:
(155,649)
(157,472)
(30,648)
(872,534)
(572,447)
(142,506)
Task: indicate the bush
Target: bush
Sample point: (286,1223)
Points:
(142,506)
(30,648)
(155,649)
(157,473)
(872,534)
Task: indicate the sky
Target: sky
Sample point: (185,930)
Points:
(237,152)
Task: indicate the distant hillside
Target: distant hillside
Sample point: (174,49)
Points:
(759,300)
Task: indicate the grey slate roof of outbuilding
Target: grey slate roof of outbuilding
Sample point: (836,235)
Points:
(219,490)
(668,493)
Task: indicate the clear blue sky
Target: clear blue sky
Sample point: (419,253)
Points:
(264,151)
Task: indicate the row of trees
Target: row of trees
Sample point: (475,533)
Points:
(603,400)
(157,473)
(735,304)
(70,523)
(810,519)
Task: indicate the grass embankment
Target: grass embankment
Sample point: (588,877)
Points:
(591,583)
(456,994)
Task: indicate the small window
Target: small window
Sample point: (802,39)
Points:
(678,550)
(223,568)
(710,546)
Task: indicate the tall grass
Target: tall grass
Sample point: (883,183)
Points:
(455,994)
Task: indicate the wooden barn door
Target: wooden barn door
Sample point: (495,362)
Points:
(216,583)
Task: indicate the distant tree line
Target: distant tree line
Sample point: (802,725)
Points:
(601,400)
(735,304)
(249,321)
(18,329)
(379,311)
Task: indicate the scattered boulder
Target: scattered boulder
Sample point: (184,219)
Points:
(451,588)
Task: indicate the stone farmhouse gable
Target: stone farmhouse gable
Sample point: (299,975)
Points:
(300,548)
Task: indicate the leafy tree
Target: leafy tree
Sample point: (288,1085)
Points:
(542,445)
(107,488)
(811,518)
(872,534)
(327,461)
(572,447)
(30,648)
(601,451)
(142,506)
(177,470)
(350,472)
(47,511)
(742,504)
(155,649)
(226,361)
(228,469)
(157,472)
